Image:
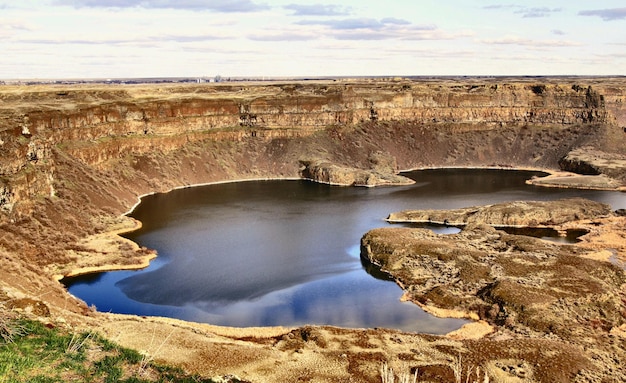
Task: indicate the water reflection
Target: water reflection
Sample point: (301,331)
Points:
(548,234)
(287,252)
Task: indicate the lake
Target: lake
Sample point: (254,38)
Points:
(286,252)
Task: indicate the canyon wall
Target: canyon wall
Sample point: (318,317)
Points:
(79,115)
(92,149)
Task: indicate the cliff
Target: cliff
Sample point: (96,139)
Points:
(455,123)
(73,158)
(78,150)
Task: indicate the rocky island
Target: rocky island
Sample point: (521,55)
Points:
(75,158)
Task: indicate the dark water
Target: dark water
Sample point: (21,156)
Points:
(264,253)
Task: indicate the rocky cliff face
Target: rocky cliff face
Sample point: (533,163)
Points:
(101,146)
(84,115)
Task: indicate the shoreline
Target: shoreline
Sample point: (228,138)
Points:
(132,208)
(113,234)
(550,173)
(580,181)
(146,260)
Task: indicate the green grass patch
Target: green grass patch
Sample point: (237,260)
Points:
(48,355)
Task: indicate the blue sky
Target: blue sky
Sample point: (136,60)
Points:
(155,38)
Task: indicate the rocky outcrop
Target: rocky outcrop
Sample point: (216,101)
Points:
(510,214)
(329,173)
(533,288)
(382,171)
(577,181)
(594,162)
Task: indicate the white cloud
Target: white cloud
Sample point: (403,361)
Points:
(538,12)
(377,29)
(525,11)
(15,25)
(515,40)
(196,5)
(612,56)
(355,23)
(57,38)
(606,14)
(318,10)
(393,20)
(10,28)
(153,41)
(283,36)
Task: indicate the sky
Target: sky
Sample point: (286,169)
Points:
(290,38)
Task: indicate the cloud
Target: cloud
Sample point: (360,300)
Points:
(606,14)
(144,41)
(188,38)
(538,12)
(409,34)
(196,5)
(374,29)
(436,53)
(12,27)
(365,23)
(283,36)
(525,11)
(617,55)
(515,40)
(393,20)
(15,5)
(368,29)
(501,6)
(346,24)
(558,32)
(318,10)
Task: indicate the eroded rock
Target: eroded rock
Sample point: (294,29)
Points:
(533,288)
(516,214)
(590,161)
(382,172)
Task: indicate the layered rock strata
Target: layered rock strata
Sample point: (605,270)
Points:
(100,125)
(73,158)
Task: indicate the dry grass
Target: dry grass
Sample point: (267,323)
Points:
(387,375)
(10,327)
